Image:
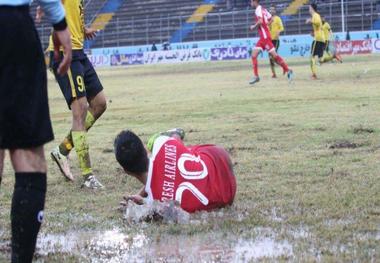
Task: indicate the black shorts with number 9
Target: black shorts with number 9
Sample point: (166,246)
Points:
(317,48)
(80,81)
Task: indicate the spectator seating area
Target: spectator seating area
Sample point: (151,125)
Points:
(146,22)
(157,21)
(360,15)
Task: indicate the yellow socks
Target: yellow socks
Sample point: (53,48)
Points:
(90,120)
(327,57)
(82,150)
(313,64)
(67,144)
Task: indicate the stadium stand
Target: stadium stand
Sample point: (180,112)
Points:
(146,22)
(135,22)
(226,23)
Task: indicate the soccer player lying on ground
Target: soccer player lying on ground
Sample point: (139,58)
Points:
(199,177)
(263,19)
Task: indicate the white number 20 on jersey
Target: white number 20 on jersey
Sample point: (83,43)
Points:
(191,175)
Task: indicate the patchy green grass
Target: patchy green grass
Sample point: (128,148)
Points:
(306,154)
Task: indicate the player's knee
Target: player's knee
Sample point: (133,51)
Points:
(98,109)
(29,160)
(102,107)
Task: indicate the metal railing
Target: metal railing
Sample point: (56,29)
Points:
(128,31)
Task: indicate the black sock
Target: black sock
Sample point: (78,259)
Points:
(27,214)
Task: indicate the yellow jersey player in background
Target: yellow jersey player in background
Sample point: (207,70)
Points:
(318,45)
(83,93)
(330,53)
(276,27)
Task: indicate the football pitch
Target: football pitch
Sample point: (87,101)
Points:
(306,156)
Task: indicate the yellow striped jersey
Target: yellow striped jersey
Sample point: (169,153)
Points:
(316,21)
(276,27)
(326,31)
(75,21)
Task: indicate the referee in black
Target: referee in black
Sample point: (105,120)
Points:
(24,113)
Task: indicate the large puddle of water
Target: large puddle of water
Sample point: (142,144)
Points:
(114,246)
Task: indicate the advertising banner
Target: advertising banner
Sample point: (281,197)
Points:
(376,45)
(177,56)
(354,47)
(99,60)
(229,53)
(127,59)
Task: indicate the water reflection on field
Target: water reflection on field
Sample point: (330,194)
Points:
(114,246)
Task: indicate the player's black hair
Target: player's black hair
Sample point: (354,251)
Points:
(130,152)
(314,6)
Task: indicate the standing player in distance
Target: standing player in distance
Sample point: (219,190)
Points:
(84,95)
(24,114)
(329,54)
(198,177)
(318,45)
(263,18)
(275,27)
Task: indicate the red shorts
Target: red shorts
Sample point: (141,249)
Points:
(265,44)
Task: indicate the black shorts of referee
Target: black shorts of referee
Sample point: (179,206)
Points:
(24,111)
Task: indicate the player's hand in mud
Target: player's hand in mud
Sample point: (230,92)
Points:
(137,199)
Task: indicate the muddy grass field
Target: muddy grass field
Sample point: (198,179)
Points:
(306,155)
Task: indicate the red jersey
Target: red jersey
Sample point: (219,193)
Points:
(199,177)
(264,32)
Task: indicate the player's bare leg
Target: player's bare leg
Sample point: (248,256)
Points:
(280,61)
(255,54)
(97,106)
(28,201)
(29,160)
(1,164)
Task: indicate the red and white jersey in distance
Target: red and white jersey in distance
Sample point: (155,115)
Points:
(261,12)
